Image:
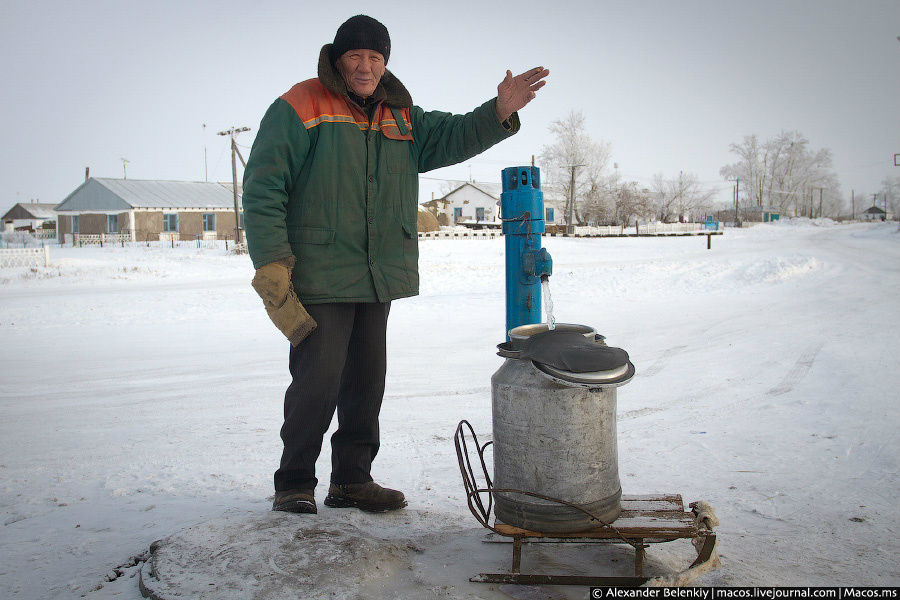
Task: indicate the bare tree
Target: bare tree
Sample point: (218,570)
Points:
(598,200)
(786,174)
(573,148)
(678,197)
(632,203)
(890,190)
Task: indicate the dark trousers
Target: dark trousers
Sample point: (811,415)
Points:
(340,365)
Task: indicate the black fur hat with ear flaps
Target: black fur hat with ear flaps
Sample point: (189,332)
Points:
(361,33)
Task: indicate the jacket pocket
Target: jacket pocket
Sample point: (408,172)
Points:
(311,235)
(314,248)
(411,256)
(399,157)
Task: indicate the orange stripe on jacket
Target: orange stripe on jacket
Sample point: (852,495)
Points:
(315,104)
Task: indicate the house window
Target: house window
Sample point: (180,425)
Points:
(457,213)
(74,223)
(112,223)
(170,222)
(209,221)
(548,214)
(479,214)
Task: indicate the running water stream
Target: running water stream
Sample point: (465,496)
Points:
(548,303)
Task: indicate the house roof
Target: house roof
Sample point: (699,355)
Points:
(480,187)
(31,210)
(99,193)
(435,202)
(873,210)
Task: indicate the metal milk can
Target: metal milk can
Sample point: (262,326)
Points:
(554,425)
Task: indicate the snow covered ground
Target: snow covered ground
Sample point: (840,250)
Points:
(141,390)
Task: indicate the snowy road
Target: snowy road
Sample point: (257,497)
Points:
(140,392)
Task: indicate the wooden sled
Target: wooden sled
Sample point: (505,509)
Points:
(645,520)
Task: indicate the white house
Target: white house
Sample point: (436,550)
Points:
(468,204)
(479,204)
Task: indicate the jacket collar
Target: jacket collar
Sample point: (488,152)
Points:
(389,89)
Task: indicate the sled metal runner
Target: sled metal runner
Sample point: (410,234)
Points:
(645,520)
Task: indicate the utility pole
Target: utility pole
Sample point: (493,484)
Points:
(852,205)
(820,199)
(205,165)
(570,208)
(237,211)
(737,209)
(124,170)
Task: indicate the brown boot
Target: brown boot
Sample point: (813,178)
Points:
(368,496)
(295,501)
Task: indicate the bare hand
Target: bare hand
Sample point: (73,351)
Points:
(513,93)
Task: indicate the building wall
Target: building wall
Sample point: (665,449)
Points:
(65,226)
(469,200)
(559,209)
(225,223)
(91,224)
(124,223)
(190,224)
(147,225)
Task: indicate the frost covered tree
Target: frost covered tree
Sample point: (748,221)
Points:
(890,190)
(573,147)
(786,174)
(675,198)
(632,203)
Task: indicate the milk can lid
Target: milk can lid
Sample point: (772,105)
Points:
(569,356)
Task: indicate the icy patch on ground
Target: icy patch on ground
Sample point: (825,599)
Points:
(349,554)
(275,555)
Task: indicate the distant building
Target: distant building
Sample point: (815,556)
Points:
(750,214)
(467,204)
(148,209)
(30,216)
(873,213)
(478,204)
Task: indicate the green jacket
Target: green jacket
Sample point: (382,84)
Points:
(340,191)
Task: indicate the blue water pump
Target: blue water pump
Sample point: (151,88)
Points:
(522,208)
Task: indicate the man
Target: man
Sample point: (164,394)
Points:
(330,209)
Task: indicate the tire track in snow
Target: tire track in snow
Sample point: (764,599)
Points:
(798,372)
(660,363)
(461,392)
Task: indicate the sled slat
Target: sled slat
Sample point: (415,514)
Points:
(649,516)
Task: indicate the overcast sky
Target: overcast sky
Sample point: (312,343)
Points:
(669,84)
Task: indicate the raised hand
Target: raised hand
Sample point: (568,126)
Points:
(513,93)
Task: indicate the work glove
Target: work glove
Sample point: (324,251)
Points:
(273,284)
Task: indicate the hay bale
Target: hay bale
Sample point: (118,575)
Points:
(427,221)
